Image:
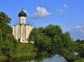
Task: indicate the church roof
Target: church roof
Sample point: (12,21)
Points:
(22,13)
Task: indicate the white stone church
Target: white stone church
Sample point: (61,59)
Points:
(22,31)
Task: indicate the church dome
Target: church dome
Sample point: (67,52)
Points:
(22,13)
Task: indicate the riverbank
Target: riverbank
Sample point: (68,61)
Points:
(29,52)
(80,60)
(24,50)
(27,56)
(2,57)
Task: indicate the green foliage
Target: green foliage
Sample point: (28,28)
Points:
(7,41)
(80,47)
(5,19)
(51,39)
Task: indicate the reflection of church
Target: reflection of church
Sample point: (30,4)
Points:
(22,31)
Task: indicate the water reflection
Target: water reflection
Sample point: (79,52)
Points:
(56,58)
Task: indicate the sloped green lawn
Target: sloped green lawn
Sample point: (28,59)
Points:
(81,60)
(25,50)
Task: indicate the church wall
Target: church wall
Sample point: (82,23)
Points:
(14,31)
(17,31)
(28,31)
(23,34)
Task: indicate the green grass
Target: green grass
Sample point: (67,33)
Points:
(80,60)
(25,50)
(2,57)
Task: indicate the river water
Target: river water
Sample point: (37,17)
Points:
(56,58)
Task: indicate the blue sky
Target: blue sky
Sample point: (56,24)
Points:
(69,14)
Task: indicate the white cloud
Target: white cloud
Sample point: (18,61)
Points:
(63,8)
(80,28)
(41,12)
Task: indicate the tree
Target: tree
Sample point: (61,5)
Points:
(52,30)
(8,42)
(4,19)
(80,48)
(68,48)
(52,40)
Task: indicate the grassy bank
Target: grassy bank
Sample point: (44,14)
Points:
(23,50)
(28,51)
(2,57)
(80,60)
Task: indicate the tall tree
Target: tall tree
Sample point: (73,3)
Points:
(7,40)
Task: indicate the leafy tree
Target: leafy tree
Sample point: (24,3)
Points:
(80,47)
(52,30)
(67,50)
(4,19)
(7,41)
(52,40)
